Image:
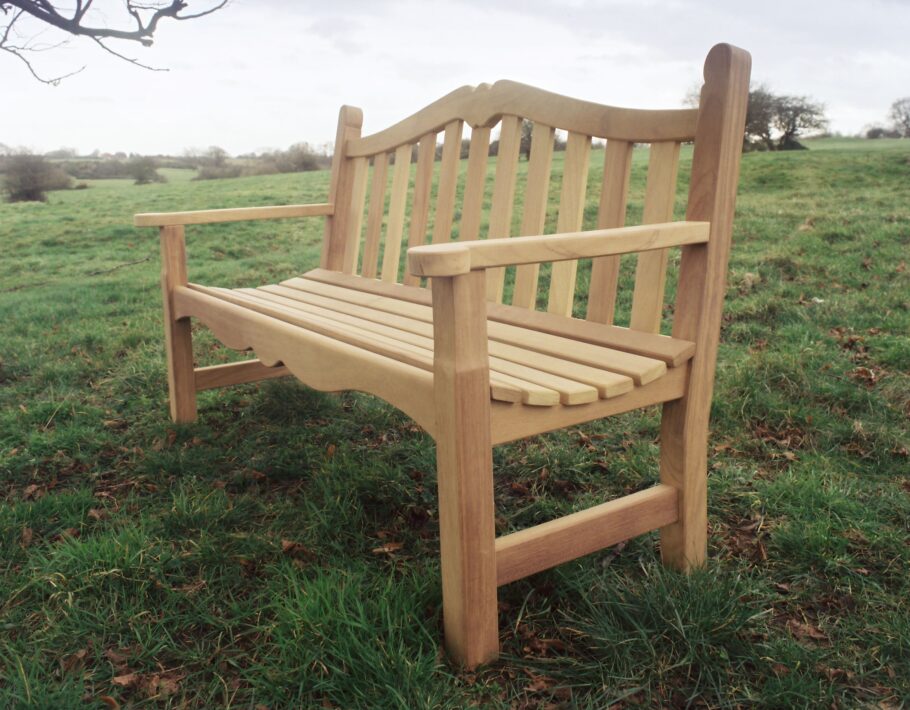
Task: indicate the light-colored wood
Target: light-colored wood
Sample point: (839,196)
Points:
(672,351)
(514,421)
(474,185)
(354,221)
(233,214)
(509,382)
(391,255)
(236,373)
(614,195)
(476,373)
(571,215)
(519,365)
(484,105)
(533,219)
(505,388)
(178,338)
(651,270)
(503,196)
(700,297)
(641,369)
(337,238)
(458,258)
(318,361)
(374,216)
(502,355)
(448,181)
(549,544)
(420,207)
(464,470)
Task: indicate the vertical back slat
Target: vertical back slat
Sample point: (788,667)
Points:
(651,270)
(354,222)
(535,210)
(375,215)
(350,120)
(448,180)
(420,210)
(503,196)
(614,194)
(571,215)
(475,182)
(391,257)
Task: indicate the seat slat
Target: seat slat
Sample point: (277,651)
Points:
(391,256)
(537,193)
(475,185)
(503,196)
(672,351)
(571,214)
(570,391)
(448,181)
(420,209)
(504,388)
(651,269)
(614,195)
(375,215)
(641,369)
(608,384)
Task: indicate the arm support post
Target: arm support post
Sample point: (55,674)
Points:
(464,466)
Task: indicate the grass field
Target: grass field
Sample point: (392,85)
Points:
(281,552)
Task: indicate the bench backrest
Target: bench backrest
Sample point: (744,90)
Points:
(383,203)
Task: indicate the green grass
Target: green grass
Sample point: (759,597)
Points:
(238,561)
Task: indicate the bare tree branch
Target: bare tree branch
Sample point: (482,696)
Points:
(145,17)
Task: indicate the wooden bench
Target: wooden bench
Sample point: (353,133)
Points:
(471,370)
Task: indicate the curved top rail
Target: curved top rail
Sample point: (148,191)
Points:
(484,105)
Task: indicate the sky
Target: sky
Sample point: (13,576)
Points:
(264,74)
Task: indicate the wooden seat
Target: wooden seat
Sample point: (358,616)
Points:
(433,335)
(527,364)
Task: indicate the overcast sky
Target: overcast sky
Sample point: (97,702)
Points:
(268,73)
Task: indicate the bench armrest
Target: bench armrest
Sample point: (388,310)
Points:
(238,214)
(461,257)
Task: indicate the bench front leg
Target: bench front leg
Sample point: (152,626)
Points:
(464,468)
(177,332)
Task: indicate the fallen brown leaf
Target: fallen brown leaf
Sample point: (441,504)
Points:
(388,548)
(128,680)
(803,630)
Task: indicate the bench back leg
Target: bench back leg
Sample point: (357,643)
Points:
(177,332)
(464,469)
(700,298)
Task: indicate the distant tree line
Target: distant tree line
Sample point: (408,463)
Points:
(29,177)
(899,117)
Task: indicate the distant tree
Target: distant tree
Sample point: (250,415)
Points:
(900,116)
(760,117)
(773,122)
(61,154)
(527,129)
(215,157)
(29,177)
(875,132)
(144,170)
(138,22)
(795,116)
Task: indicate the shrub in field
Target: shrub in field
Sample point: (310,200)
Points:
(212,172)
(29,177)
(144,170)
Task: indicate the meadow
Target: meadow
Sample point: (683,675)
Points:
(281,552)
